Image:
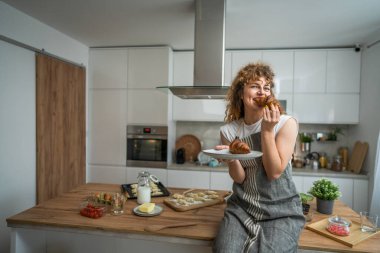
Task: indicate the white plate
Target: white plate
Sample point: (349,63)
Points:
(225,154)
(156,211)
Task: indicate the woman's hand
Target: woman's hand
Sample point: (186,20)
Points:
(271,116)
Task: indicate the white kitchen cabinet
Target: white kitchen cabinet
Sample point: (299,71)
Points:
(298,181)
(282,65)
(228,78)
(107,174)
(326,108)
(183,68)
(107,126)
(133,172)
(288,97)
(310,71)
(241,58)
(343,71)
(220,181)
(147,106)
(108,68)
(360,199)
(212,110)
(189,179)
(149,67)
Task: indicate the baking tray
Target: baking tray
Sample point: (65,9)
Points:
(127,188)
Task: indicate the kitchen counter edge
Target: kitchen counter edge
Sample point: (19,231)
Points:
(296,171)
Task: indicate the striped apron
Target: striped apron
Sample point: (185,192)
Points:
(261,215)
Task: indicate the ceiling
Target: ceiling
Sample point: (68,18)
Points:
(249,23)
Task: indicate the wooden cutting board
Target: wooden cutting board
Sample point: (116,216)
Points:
(357,157)
(175,203)
(192,146)
(356,235)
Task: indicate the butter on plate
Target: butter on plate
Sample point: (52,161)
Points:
(146,207)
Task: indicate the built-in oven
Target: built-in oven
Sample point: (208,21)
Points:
(147,146)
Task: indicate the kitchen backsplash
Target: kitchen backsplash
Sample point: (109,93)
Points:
(208,134)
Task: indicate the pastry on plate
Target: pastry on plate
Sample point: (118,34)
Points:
(239,147)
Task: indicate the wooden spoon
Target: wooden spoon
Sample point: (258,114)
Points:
(154,228)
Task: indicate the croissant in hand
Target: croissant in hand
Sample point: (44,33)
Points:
(268,101)
(239,147)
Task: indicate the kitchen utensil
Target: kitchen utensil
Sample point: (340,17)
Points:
(191,144)
(131,190)
(357,157)
(156,227)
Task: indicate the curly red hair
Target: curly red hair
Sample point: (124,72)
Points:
(248,74)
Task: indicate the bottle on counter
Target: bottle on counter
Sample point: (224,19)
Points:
(343,152)
(143,188)
(323,160)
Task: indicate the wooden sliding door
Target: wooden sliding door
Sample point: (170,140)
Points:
(61,126)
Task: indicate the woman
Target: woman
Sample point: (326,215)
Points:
(264,213)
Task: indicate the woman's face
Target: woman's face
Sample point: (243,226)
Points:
(258,88)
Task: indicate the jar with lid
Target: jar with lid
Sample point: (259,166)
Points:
(337,163)
(323,160)
(143,187)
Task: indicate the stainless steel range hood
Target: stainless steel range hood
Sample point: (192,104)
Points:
(208,53)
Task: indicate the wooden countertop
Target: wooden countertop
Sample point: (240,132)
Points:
(63,212)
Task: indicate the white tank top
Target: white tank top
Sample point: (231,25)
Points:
(242,130)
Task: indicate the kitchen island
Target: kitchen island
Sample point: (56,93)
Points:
(57,226)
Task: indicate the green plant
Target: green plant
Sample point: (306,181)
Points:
(333,135)
(305,138)
(325,189)
(305,198)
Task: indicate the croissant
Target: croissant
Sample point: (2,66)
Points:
(268,101)
(239,147)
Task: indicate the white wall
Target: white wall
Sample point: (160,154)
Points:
(17,107)
(20,27)
(369,126)
(17,135)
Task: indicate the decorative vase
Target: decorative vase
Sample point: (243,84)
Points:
(325,206)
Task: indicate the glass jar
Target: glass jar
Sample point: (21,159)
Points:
(338,226)
(337,163)
(143,188)
(323,160)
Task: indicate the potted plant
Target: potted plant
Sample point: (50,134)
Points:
(326,192)
(333,135)
(305,140)
(305,198)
